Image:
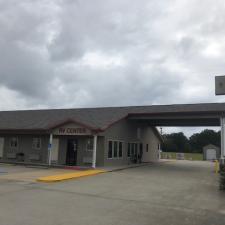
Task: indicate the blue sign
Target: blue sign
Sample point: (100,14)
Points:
(49,146)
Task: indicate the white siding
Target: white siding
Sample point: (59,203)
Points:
(149,137)
(55,150)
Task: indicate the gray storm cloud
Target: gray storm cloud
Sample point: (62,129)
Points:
(101,53)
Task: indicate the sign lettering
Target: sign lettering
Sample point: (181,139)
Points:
(74,130)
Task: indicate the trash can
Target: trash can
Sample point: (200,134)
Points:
(20,157)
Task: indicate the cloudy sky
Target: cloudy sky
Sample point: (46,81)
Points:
(84,53)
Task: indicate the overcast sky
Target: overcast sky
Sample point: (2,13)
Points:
(84,53)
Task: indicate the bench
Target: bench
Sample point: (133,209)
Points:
(11,155)
(87,160)
(34,157)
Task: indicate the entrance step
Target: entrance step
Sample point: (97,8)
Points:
(67,176)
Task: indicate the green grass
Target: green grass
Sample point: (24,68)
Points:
(187,156)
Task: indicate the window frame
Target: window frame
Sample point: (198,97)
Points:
(159,146)
(113,149)
(133,148)
(10,142)
(146,148)
(89,150)
(120,157)
(128,150)
(35,146)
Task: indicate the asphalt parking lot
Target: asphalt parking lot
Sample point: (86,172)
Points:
(175,193)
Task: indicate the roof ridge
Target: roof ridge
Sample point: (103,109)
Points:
(112,107)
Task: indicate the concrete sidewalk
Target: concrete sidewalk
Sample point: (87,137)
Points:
(122,167)
(10,172)
(15,172)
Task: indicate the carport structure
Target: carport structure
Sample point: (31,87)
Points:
(186,115)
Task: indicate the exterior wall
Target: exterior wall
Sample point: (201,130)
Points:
(82,151)
(121,131)
(148,137)
(126,132)
(25,147)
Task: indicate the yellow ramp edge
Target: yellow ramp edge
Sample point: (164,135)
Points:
(67,176)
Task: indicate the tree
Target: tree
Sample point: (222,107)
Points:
(176,142)
(199,140)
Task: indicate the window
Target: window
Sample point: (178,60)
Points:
(136,148)
(36,143)
(14,142)
(141,148)
(115,149)
(159,147)
(146,147)
(128,149)
(90,144)
(133,149)
(110,150)
(120,149)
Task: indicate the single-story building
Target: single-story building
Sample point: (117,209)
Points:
(77,137)
(211,152)
(97,136)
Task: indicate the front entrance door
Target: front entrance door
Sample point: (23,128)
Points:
(71,156)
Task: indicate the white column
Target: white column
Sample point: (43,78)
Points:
(94,152)
(222,124)
(50,149)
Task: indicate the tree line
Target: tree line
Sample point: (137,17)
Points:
(178,142)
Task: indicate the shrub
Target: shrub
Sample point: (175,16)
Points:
(222,176)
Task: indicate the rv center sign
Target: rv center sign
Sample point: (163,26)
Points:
(71,129)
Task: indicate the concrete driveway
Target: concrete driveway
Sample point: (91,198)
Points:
(20,173)
(175,193)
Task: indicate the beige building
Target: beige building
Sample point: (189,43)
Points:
(77,137)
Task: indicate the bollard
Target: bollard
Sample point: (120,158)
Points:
(217,166)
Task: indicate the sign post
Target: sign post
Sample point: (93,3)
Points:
(220,90)
(220,85)
(50,149)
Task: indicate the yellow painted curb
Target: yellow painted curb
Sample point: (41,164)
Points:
(67,176)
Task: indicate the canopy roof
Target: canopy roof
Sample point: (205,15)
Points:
(205,114)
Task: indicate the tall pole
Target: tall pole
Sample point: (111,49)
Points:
(94,151)
(50,149)
(222,125)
